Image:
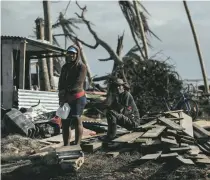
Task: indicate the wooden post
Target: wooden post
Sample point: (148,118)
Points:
(7,75)
(44,77)
(197,48)
(48,37)
(22,65)
(141,28)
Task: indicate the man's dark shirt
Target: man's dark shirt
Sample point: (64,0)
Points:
(126,103)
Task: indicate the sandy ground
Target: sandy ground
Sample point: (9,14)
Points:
(99,167)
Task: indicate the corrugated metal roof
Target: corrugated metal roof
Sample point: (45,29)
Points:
(32,41)
(28,98)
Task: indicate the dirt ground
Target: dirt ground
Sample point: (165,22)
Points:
(99,167)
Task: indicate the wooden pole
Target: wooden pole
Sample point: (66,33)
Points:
(48,37)
(141,28)
(43,70)
(22,65)
(197,48)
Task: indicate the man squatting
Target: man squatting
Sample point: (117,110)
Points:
(122,111)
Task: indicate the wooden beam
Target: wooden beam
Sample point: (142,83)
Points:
(7,75)
(128,137)
(186,123)
(170,123)
(22,65)
(155,132)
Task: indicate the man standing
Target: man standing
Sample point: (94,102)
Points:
(123,110)
(71,81)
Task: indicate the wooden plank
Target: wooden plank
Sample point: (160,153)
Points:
(201,130)
(169,155)
(184,145)
(176,119)
(72,163)
(180,149)
(187,141)
(151,156)
(203,161)
(68,149)
(149,124)
(186,123)
(117,152)
(155,132)
(92,147)
(170,123)
(184,161)
(199,156)
(128,137)
(170,131)
(169,141)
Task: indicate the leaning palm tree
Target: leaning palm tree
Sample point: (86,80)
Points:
(138,24)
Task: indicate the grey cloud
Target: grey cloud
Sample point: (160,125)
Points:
(168,20)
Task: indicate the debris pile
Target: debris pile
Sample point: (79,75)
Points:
(165,136)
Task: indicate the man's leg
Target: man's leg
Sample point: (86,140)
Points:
(66,131)
(77,110)
(112,125)
(78,129)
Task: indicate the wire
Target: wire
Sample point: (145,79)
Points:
(67,7)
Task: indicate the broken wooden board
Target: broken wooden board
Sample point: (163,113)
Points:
(184,161)
(151,156)
(155,132)
(180,149)
(194,150)
(128,137)
(169,155)
(169,141)
(170,123)
(91,147)
(186,123)
(74,164)
(199,156)
(201,130)
(116,153)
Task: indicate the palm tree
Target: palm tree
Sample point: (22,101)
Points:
(197,47)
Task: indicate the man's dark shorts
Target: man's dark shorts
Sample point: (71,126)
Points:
(77,106)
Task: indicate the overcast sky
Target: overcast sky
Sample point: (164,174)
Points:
(168,20)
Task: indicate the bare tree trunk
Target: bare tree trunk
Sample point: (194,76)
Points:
(85,62)
(141,28)
(43,70)
(197,47)
(48,37)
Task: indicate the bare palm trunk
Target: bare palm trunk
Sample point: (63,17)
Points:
(43,70)
(48,37)
(141,28)
(197,47)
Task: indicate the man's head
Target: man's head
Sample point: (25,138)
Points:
(72,54)
(119,86)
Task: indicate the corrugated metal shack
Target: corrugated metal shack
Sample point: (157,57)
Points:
(16,54)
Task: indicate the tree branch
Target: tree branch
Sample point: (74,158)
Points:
(106,59)
(112,53)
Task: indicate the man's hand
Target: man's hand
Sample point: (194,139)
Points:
(61,104)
